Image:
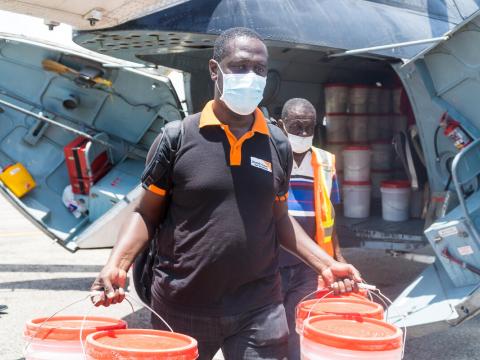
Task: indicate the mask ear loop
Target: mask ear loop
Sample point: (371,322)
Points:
(216,82)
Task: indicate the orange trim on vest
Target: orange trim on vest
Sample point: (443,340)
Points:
(208,118)
(157,190)
(322,205)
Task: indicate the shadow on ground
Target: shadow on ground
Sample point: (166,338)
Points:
(63,283)
(49,268)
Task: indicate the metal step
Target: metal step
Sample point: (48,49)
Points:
(375,233)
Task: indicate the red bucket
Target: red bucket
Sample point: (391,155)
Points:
(348,307)
(59,337)
(137,344)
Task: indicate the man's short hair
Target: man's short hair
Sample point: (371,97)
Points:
(220,48)
(297,103)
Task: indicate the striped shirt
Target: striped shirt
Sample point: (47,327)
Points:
(300,201)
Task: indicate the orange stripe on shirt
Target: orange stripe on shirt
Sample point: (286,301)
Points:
(157,190)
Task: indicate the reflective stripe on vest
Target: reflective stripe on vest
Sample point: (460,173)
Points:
(324,214)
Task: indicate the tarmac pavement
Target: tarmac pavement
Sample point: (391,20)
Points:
(38,277)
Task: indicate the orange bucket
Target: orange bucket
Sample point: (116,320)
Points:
(335,337)
(347,307)
(59,337)
(137,344)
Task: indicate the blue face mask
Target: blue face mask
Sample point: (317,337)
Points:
(242,92)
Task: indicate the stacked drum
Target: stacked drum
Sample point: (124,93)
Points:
(360,122)
(337,122)
(356,156)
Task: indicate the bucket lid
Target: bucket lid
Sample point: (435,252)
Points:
(357,147)
(356,183)
(395,184)
(347,305)
(360,334)
(67,328)
(141,343)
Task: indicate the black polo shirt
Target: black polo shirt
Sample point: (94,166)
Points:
(217,248)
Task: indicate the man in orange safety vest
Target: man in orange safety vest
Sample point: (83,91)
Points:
(313,191)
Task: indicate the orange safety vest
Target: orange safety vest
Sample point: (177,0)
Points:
(323,164)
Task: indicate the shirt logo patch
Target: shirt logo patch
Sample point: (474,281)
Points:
(261,164)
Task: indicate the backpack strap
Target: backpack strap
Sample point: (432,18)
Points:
(174,131)
(162,154)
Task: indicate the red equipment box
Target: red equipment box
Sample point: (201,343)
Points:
(87,162)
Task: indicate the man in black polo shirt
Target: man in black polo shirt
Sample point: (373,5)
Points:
(223,214)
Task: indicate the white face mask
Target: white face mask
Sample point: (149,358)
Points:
(242,92)
(300,144)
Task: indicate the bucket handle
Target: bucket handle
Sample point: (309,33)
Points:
(29,342)
(382,298)
(129,300)
(307,296)
(371,290)
(360,285)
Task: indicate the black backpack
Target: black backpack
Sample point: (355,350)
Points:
(173,131)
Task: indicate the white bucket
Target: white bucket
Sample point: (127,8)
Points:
(382,155)
(356,163)
(397,100)
(374,100)
(54,350)
(395,200)
(378,176)
(385,127)
(336,98)
(399,123)
(358,128)
(356,199)
(337,150)
(341,338)
(337,126)
(358,99)
(385,103)
(358,109)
